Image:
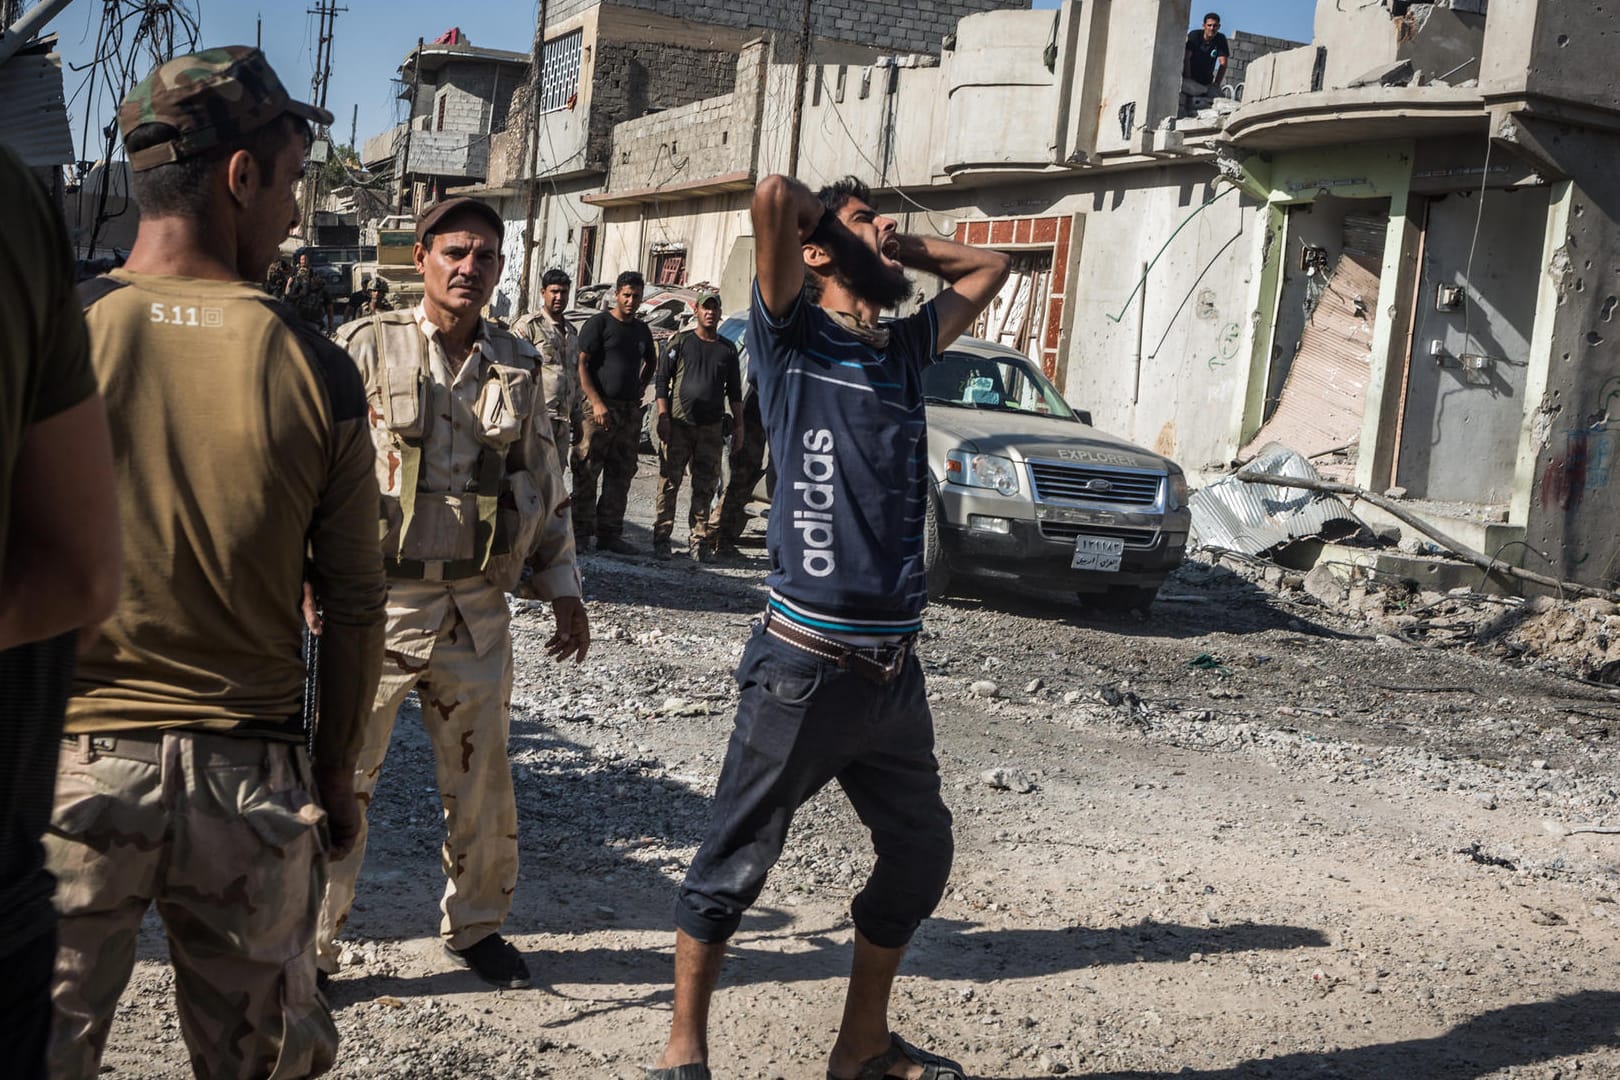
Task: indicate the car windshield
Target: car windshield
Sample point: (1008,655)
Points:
(999,383)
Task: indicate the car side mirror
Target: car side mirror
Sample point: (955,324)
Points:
(1084,416)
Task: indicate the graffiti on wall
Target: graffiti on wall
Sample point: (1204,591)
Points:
(1226,345)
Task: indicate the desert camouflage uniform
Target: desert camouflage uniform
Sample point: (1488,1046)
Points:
(448,626)
(185,783)
(558,346)
(225,831)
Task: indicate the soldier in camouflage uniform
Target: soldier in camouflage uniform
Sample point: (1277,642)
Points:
(184,780)
(698,376)
(276,278)
(375,302)
(472,492)
(307,294)
(558,345)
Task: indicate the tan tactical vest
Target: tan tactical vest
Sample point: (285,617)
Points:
(490,527)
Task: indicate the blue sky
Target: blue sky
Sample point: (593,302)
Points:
(373,36)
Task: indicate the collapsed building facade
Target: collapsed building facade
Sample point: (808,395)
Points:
(1393,248)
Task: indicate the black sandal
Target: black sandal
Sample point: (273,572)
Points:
(694,1071)
(934,1066)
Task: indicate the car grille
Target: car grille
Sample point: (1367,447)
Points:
(1093,485)
(1068,530)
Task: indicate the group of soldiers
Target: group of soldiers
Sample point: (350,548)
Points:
(596,380)
(303,290)
(262,539)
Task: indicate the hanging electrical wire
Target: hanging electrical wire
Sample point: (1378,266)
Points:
(133,37)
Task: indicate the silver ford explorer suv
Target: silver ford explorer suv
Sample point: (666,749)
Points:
(1026,490)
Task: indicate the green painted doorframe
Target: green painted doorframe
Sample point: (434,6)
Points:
(1294,178)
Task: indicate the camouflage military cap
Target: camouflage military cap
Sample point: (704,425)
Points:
(210,98)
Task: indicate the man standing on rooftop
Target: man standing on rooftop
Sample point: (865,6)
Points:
(1205,63)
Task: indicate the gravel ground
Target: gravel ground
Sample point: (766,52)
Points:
(1249,836)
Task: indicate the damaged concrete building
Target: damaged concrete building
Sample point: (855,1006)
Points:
(458,96)
(1393,247)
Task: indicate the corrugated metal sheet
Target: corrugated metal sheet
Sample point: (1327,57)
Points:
(34,120)
(1254,518)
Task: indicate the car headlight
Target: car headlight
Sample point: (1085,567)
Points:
(1178,491)
(982,471)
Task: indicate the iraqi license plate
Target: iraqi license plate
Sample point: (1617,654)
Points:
(1097,553)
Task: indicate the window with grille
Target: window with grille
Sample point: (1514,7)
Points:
(559,71)
(669,267)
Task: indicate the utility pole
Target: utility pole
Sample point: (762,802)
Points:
(532,145)
(354,128)
(402,160)
(327,11)
(798,91)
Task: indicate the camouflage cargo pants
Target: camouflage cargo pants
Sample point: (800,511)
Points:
(606,452)
(747,466)
(697,447)
(466,710)
(223,834)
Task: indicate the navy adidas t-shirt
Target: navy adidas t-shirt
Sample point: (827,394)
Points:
(849,437)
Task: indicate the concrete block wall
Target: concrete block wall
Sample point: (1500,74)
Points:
(633,77)
(897,25)
(690,143)
(1247,48)
(449,153)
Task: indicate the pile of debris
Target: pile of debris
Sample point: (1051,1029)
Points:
(1276,523)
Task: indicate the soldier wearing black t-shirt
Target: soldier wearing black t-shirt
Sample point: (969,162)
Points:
(616,361)
(698,375)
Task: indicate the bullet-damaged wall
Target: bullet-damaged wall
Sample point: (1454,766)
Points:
(1570,469)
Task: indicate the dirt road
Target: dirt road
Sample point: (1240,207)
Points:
(1244,838)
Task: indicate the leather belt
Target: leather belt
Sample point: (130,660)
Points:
(432,570)
(880,664)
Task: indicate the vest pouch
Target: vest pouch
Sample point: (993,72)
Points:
(504,403)
(517,526)
(442,527)
(403,406)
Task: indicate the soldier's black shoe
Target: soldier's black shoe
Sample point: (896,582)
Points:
(661,549)
(495,961)
(617,545)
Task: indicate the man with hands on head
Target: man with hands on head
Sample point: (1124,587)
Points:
(830,688)
(472,495)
